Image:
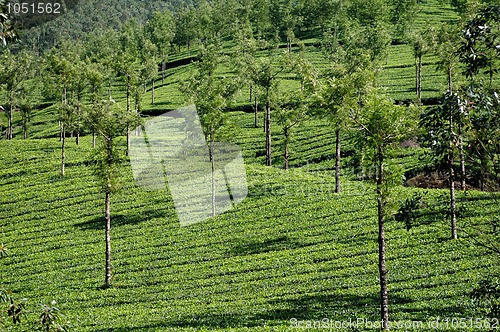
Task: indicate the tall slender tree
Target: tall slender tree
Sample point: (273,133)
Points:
(421,42)
(14,70)
(291,109)
(161,31)
(440,125)
(61,71)
(210,95)
(265,72)
(381,124)
(110,123)
(480,40)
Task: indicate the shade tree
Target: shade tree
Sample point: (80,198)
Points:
(439,125)
(338,99)
(291,109)
(422,43)
(210,95)
(265,72)
(447,50)
(59,72)
(381,125)
(480,42)
(15,69)
(110,122)
(8,31)
(483,146)
(185,27)
(161,29)
(100,49)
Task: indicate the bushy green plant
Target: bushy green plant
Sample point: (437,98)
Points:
(408,210)
(50,319)
(486,296)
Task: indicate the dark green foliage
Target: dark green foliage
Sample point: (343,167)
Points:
(8,31)
(408,211)
(481,37)
(487,296)
(110,122)
(50,319)
(484,146)
(436,131)
(92,15)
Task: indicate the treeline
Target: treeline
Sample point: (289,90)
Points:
(206,19)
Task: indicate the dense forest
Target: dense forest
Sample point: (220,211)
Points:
(308,89)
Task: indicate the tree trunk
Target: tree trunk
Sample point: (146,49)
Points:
(153,91)
(63,146)
(268,131)
(462,157)
(453,206)
(450,80)
(212,162)
(11,111)
(256,109)
(93,138)
(384,298)
(285,155)
(108,238)
(163,71)
(451,158)
(419,77)
(128,110)
(250,92)
(337,161)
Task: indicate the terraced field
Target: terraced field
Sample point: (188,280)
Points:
(292,250)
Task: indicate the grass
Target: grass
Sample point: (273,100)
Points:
(293,249)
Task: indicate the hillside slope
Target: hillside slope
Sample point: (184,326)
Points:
(292,250)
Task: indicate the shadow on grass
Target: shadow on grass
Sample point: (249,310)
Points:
(120,219)
(248,247)
(317,307)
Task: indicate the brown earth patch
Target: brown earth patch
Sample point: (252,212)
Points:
(434,180)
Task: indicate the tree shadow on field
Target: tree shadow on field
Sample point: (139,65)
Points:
(334,307)
(120,219)
(250,247)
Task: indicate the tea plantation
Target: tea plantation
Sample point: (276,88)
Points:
(292,250)
(294,255)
